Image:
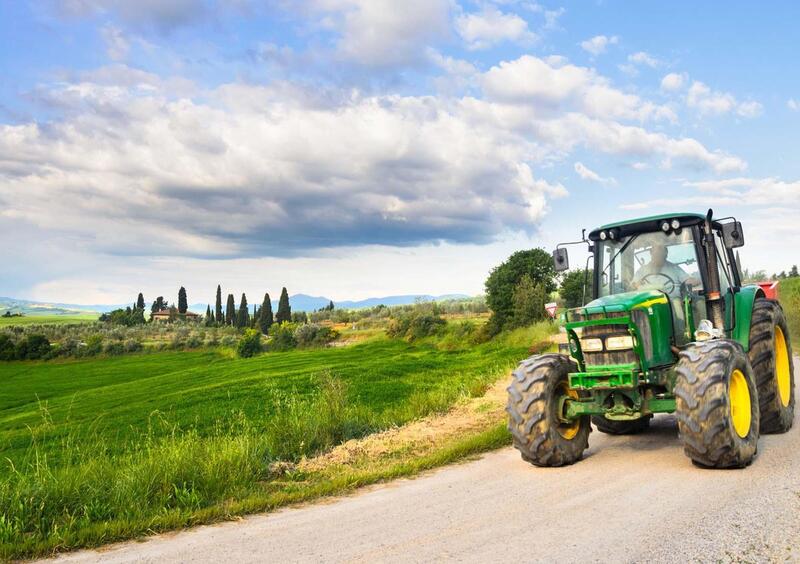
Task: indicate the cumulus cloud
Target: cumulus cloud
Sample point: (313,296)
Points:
(673,81)
(793,104)
(588,174)
(643,58)
(483,29)
(711,102)
(161,16)
(534,81)
(598,44)
(377,33)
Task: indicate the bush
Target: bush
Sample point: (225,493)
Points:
(94,345)
(8,351)
(33,347)
(282,336)
(250,344)
(132,345)
(114,348)
(416,325)
(228,341)
(313,335)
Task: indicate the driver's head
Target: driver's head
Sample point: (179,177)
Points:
(658,254)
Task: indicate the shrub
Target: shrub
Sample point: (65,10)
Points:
(194,342)
(132,345)
(313,335)
(94,345)
(282,336)
(8,351)
(250,344)
(33,347)
(416,325)
(228,341)
(114,348)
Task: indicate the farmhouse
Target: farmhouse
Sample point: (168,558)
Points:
(165,315)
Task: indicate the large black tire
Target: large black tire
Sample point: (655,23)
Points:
(717,404)
(612,427)
(771,357)
(536,388)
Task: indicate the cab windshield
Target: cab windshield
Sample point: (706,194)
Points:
(648,261)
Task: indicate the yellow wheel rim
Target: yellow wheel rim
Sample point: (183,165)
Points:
(568,430)
(740,403)
(782,368)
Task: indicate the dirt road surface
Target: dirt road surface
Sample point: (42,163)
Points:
(632,499)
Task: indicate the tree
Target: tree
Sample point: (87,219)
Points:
(158,305)
(536,263)
(209,316)
(243,317)
(265,315)
(250,344)
(528,302)
(572,288)
(182,303)
(140,302)
(230,311)
(284,309)
(218,306)
(793,272)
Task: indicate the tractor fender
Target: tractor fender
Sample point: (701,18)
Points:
(744,300)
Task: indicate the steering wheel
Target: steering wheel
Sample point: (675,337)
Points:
(668,286)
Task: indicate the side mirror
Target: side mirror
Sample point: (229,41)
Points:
(732,235)
(561,259)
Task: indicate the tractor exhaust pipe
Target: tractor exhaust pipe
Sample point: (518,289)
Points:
(713,295)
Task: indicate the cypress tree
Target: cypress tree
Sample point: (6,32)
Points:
(265,315)
(140,302)
(243,317)
(209,319)
(230,311)
(218,306)
(284,309)
(182,303)
(158,304)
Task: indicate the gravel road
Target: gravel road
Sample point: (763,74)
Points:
(632,499)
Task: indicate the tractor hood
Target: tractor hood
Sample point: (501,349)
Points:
(625,301)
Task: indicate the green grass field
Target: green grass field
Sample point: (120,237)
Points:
(47,319)
(110,448)
(789,295)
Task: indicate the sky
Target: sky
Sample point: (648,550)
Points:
(359,148)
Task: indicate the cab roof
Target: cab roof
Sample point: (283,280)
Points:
(649,223)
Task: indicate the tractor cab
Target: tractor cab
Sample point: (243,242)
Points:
(668,254)
(670,329)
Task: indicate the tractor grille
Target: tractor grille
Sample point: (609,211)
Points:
(602,332)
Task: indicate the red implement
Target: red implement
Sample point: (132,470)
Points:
(770,289)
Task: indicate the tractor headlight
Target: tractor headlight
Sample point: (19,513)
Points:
(665,226)
(675,224)
(603,235)
(591,345)
(619,343)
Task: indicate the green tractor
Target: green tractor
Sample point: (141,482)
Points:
(671,329)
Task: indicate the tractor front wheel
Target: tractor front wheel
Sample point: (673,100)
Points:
(717,404)
(535,397)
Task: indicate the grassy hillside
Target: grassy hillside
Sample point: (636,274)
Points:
(109,448)
(58,319)
(789,294)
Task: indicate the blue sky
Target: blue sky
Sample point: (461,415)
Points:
(351,148)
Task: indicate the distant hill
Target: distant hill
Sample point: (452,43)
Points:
(299,302)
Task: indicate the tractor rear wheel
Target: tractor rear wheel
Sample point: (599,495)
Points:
(612,427)
(717,404)
(771,358)
(538,387)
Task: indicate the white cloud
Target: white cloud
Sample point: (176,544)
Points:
(793,104)
(598,44)
(673,81)
(117,45)
(532,81)
(377,33)
(710,102)
(588,174)
(642,58)
(491,26)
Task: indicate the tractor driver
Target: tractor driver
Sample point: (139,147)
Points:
(661,274)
